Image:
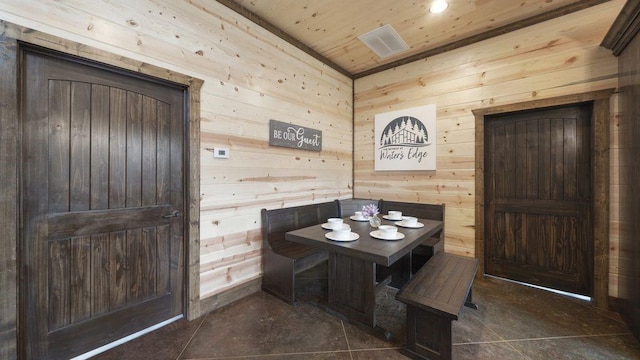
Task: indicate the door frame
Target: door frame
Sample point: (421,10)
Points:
(11,38)
(599,177)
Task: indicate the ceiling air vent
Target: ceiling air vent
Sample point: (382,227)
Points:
(384,41)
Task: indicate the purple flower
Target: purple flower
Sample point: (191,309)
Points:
(370,210)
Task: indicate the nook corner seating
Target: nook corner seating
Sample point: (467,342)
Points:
(283,259)
(434,244)
(402,271)
(347,207)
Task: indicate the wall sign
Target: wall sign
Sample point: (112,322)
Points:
(406,139)
(294,136)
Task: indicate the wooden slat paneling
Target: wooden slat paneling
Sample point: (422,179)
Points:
(100,274)
(150,266)
(149,145)
(80,279)
(134,150)
(117,148)
(332,27)
(100,136)
(118,271)
(59,122)
(163,248)
(59,284)
(628,253)
(80,146)
(537,63)
(163,175)
(135,266)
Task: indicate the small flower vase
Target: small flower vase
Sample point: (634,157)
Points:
(375,221)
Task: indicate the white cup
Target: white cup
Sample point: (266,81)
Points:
(334,223)
(409,220)
(387,231)
(358,215)
(395,215)
(342,232)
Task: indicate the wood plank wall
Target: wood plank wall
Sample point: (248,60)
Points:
(250,76)
(555,58)
(629,67)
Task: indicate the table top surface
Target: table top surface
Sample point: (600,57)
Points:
(366,247)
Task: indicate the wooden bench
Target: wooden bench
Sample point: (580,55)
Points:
(401,271)
(347,207)
(282,259)
(434,298)
(424,211)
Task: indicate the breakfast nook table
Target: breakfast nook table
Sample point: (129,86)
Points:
(353,260)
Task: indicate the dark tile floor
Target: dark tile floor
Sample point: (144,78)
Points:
(513,322)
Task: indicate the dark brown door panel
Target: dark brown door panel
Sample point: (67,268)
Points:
(538,195)
(102,174)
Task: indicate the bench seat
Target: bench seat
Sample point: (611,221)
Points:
(282,259)
(294,251)
(402,270)
(434,298)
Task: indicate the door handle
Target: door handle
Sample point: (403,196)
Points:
(174,214)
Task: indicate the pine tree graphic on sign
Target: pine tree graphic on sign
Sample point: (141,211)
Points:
(404,131)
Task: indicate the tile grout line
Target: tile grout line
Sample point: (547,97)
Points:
(504,340)
(543,338)
(192,336)
(276,355)
(344,331)
(267,355)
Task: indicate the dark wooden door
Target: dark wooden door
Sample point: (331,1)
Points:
(102,167)
(538,198)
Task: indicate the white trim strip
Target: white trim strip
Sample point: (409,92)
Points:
(577,296)
(125,339)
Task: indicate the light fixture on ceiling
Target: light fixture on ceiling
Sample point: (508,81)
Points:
(438,6)
(384,41)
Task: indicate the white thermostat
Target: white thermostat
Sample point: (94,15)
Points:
(222,153)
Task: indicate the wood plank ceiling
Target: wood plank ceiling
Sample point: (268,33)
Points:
(329,29)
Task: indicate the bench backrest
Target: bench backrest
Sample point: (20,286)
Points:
(347,207)
(276,222)
(423,211)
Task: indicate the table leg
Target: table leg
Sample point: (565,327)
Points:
(352,288)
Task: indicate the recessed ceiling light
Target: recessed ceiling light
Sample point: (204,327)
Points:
(438,6)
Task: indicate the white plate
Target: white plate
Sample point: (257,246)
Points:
(352,217)
(326,226)
(331,236)
(415,226)
(387,217)
(376,234)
